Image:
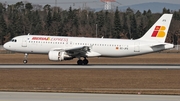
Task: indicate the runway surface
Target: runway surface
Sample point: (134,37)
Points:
(126,66)
(30,96)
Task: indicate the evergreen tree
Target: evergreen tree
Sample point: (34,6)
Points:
(100,20)
(141,30)
(176,15)
(3,28)
(166,10)
(56,15)
(28,6)
(129,11)
(36,23)
(144,12)
(48,21)
(19,6)
(2,9)
(125,25)
(138,14)
(117,25)
(134,33)
(148,19)
(15,26)
(107,25)
(70,14)
(47,8)
(22,18)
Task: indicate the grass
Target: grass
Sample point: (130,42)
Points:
(121,81)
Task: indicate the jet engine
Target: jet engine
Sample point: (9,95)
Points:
(59,56)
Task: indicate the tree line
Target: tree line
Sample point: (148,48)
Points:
(23,18)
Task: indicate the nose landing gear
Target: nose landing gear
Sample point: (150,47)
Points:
(25,58)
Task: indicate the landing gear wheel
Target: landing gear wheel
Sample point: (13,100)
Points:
(85,61)
(25,61)
(80,62)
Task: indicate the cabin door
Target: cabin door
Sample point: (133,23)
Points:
(24,42)
(137,47)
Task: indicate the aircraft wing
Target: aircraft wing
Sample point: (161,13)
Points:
(82,51)
(80,48)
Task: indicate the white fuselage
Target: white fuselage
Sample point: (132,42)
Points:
(105,47)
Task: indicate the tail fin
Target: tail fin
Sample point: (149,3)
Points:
(158,32)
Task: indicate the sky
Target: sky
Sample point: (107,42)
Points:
(65,4)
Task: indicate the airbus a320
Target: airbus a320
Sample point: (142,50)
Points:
(61,48)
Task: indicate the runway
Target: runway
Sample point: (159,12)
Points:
(124,66)
(30,96)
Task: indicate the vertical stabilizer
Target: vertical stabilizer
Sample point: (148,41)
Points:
(158,32)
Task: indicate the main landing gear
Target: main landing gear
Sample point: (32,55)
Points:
(82,62)
(25,58)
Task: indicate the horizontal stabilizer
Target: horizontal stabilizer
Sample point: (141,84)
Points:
(164,45)
(158,45)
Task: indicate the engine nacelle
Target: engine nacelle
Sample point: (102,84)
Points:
(58,56)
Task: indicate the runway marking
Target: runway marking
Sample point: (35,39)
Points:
(42,66)
(130,89)
(30,96)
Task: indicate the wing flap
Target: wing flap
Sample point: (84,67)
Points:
(86,48)
(71,48)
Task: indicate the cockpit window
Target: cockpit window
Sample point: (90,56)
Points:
(13,40)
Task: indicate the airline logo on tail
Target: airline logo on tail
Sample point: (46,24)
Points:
(159,32)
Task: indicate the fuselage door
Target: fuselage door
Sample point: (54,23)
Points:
(24,42)
(137,47)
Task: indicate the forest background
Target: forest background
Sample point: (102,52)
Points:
(23,18)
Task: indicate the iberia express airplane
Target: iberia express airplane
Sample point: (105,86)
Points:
(61,48)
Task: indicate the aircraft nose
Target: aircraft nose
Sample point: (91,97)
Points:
(6,46)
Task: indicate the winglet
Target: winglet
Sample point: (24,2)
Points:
(158,32)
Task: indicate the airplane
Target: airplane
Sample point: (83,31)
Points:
(60,48)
